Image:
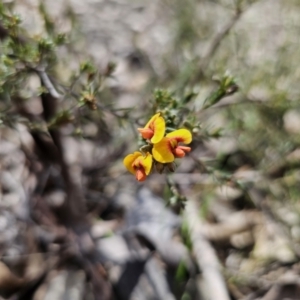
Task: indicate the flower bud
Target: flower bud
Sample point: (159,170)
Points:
(171,167)
(159,167)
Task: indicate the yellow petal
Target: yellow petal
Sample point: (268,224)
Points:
(162,151)
(129,160)
(159,127)
(152,120)
(181,136)
(146,162)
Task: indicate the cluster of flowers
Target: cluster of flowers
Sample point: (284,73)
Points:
(161,149)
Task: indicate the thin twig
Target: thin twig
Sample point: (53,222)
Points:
(48,84)
(4,33)
(218,39)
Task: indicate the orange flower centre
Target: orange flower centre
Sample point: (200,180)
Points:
(178,151)
(147,133)
(140,173)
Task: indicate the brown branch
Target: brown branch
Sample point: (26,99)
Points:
(48,84)
(73,209)
(215,286)
(51,152)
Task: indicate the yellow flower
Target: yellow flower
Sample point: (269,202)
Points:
(154,129)
(168,148)
(138,164)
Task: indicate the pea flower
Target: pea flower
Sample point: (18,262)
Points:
(138,164)
(168,148)
(154,129)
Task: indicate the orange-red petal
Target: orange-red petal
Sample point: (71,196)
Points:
(146,133)
(184,148)
(178,152)
(140,175)
(181,136)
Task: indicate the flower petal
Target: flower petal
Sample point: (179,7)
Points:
(129,160)
(152,120)
(146,162)
(179,152)
(162,151)
(159,127)
(181,136)
(140,175)
(185,149)
(146,133)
